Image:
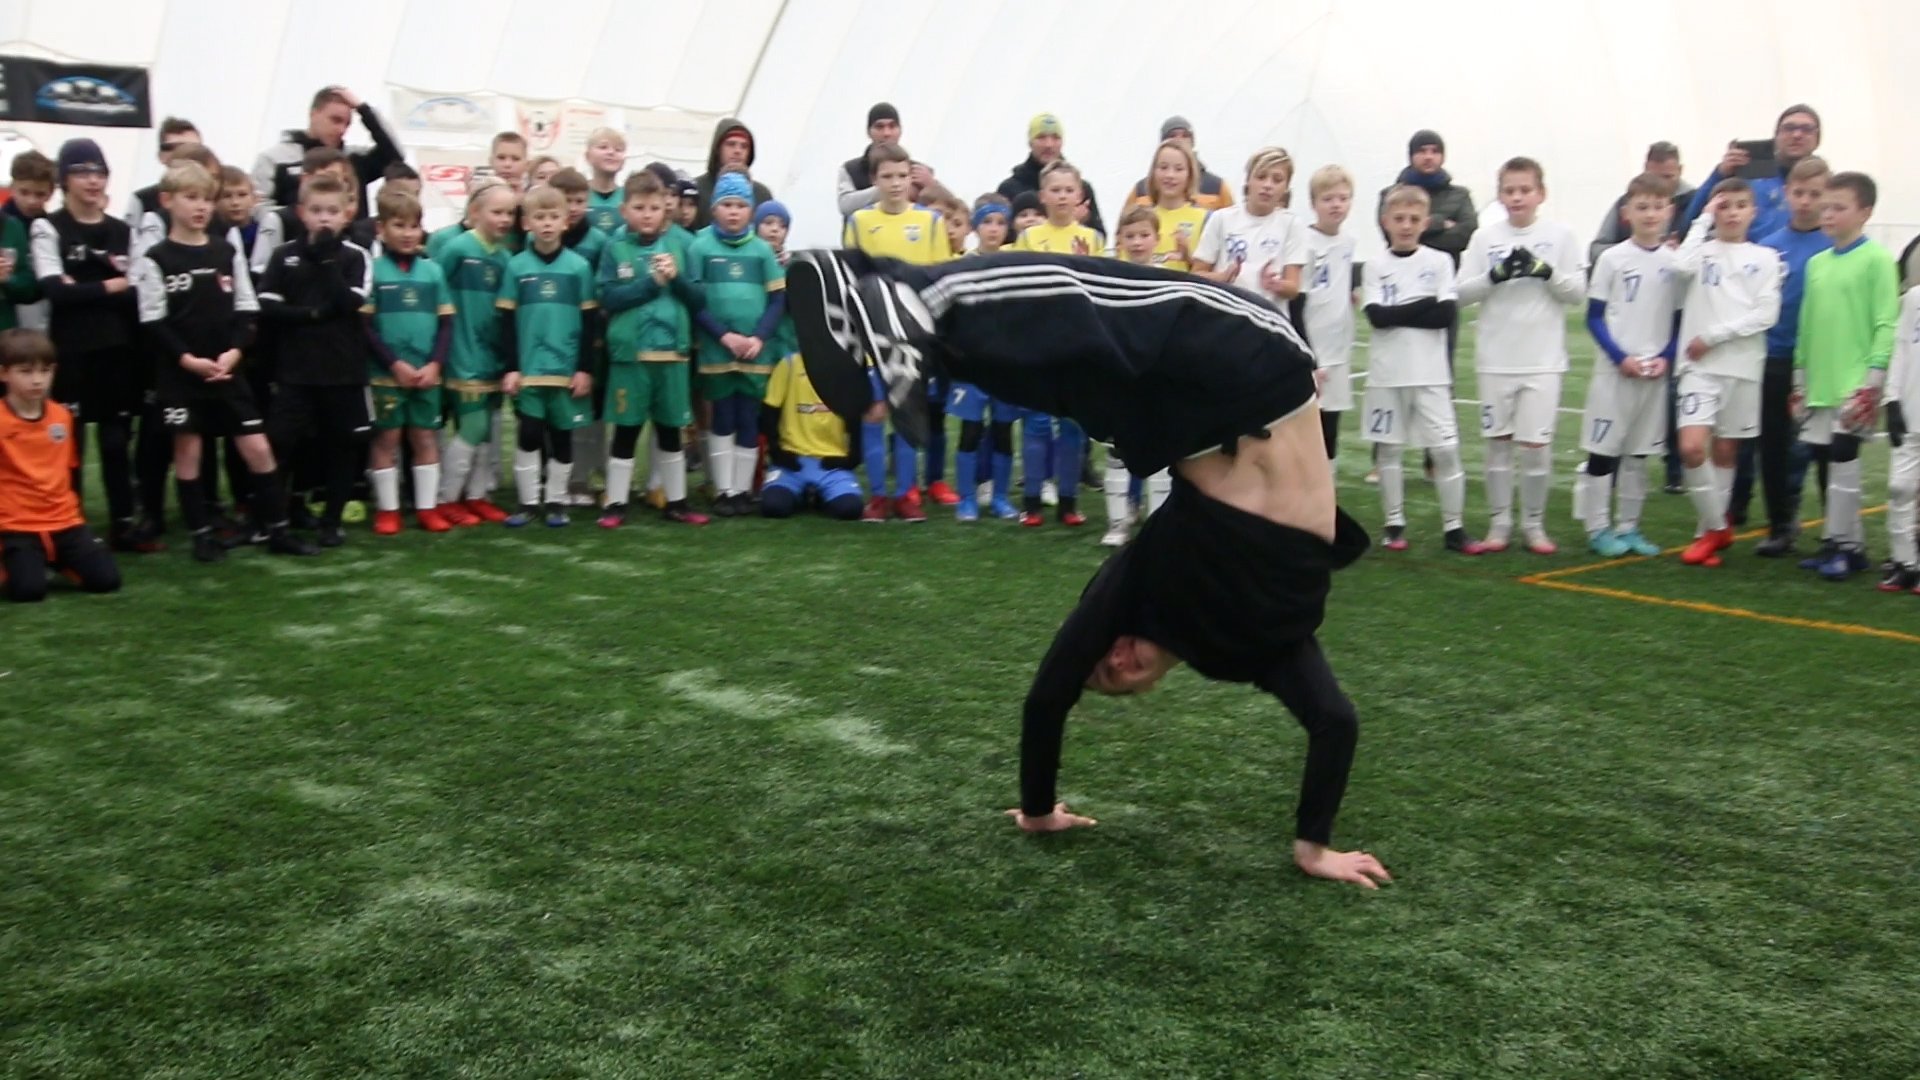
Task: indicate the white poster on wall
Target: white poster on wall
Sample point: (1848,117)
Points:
(558,128)
(426,112)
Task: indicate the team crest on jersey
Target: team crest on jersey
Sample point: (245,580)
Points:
(1429,279)
(410,296)
(735,270)
(1236,249)
(624,272)
(57,432)
(549,289)
(293,260)
(913,234)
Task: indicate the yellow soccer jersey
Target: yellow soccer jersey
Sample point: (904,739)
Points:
(915,235)
(808,427)
(1061,240)
(1186,221)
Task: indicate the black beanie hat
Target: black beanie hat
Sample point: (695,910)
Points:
(1425,137)
(1026,200)
(882,111)
(80,155)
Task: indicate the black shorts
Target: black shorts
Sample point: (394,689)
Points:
(25,559)
(327,412)
(102,384)
(216,409)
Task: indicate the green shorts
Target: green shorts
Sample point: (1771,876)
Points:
(554,404)
(463,396)
(732,384)
(649,390)
(394,407)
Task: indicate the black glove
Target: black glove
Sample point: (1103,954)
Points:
(1514,265)
(1535,266)
(1896,424)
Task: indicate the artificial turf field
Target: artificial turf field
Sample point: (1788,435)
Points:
(664,802)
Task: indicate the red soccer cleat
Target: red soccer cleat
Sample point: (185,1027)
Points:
(1540,544)
(684,515)
(879,508)
(1705,550)
(907,508)
(941,493)
(432,520)
(457,515)
(386,522)
(485,510)
(1073,519)
(1032,519)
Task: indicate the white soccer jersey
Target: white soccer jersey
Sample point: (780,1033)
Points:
(1523,322)
(1733,296)
(1328,282)
(1234,236)
(1641,289)
(1903,371)
(1406,355)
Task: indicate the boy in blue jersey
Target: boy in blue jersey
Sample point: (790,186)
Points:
(742,292)
(410,325)
(1782,457)
(992,229)
(550,326)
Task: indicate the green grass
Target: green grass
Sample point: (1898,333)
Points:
(668,803)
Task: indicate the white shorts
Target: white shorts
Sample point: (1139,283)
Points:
(1417,416)
(1625,417)
(1822,425)
(1730,406)
(1336,391)
(1525,407)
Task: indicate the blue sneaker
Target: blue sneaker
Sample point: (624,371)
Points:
(1837,567)
(557,518)
(1003,509)
(1819,559)
(521,518)
(967,509)
(1638,544)
(1606,545)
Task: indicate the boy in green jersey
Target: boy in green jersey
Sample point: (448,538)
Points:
(475,264)
(411,316)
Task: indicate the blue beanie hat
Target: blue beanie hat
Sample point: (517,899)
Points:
(732,185)
(81,155)
(772,208)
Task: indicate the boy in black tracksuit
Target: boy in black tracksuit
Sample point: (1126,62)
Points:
(311,294)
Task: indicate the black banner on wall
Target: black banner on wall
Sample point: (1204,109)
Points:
(97,95)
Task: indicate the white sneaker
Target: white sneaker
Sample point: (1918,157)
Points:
(1049,493)
(1116,535)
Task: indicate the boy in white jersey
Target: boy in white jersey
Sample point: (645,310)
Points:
(1524,272)
(1733,296)
(1258,245)
(1409,298)
(1328,311)
(1631,303)
(1903,472)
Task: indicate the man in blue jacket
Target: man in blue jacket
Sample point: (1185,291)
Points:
(1796,135)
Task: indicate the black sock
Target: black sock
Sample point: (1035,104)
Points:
(269,500)
(1068,503)
(193,503)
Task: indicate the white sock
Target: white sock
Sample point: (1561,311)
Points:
(526,476)
(456,460)
(745,460)
(1393,486)
(1159,486)
(426,486)
(673,474)
(1450,483)
(1594,500)
(386,488)
(1115,483)
(1843,502)
(1500,481)
(559,474)
(1703,487)
(620,479)
(1723,490)
(1536,481)
(1630,487)
(1901,506)
(486,469)
(720,463)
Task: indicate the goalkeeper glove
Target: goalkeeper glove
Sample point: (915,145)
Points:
(1506,268)
(1531,265)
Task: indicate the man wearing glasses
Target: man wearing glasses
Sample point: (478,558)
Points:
(1796,135)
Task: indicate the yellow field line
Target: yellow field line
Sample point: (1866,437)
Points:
(1549,580)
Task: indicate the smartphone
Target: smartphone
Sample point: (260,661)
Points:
(1760,163)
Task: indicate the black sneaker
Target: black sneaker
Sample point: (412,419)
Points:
(744,504)
(142,538)
(331,535)
(282,542)
(207,547)
(1898,578)
(820,298)
(1776,545)
(723,506)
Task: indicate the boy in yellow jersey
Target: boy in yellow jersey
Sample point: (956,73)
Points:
(893,228)
(1139,234)
(1049,446)
(806,448)
(1175,177)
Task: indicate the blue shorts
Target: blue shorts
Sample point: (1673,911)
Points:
(969,403)
(830,483)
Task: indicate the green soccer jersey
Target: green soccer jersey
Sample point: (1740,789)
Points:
(1847,315)
(736,277)
(589,246)
(474,270)
(645,321)
(547,299)
(438,240)
(603,209)
(406,306)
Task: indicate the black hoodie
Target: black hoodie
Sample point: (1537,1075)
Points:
(761,193)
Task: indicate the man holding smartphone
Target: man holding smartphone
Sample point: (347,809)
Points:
(1796,135)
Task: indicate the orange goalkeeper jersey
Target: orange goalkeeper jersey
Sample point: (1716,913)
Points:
(37,458)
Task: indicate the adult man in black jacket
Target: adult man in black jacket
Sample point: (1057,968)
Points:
(276,172)
(1045,137)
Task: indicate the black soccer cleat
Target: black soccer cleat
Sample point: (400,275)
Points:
(331,535)
(207,547)
(820,286)
(282,542)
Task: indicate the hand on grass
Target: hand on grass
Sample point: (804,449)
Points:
(1354,867)
(1058,821)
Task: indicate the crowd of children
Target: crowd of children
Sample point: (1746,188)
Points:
(325,343)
